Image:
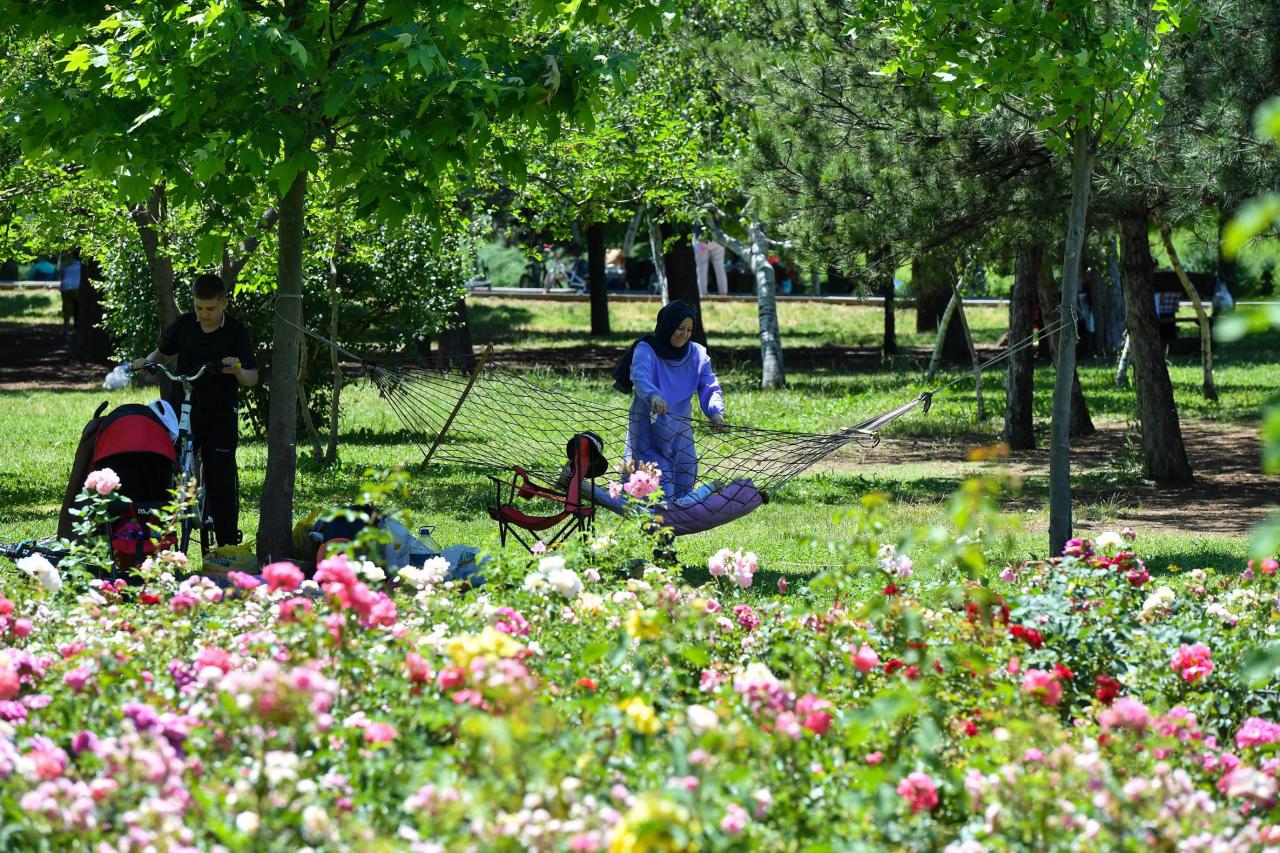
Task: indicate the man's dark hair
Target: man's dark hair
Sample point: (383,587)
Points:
(209,286)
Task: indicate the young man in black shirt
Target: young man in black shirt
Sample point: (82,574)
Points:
(205,335)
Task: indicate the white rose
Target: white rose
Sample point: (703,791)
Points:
(1110,542)
(247,822)
(535,582)
(315,823)
(36,566)
(547,565)
(565,581)
(701,719)
(370,571)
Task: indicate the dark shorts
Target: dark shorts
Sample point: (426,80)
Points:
(70,301)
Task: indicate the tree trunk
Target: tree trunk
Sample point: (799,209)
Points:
(149,221)
(772,374)
(93,344)
(1108,310)
(655,248)
(1064,379)
(1122,366)
(1051,296)
(882,269)
(682,274)
(335,366)
(1202,318)
(933,279)
(633,228)
(1163,451)
(456,348)
(596,284)
(1019,430)
(275,521)
(944,326)
(756,255)
(304,409)
(973,357)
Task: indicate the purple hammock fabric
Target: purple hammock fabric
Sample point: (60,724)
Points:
(730,502)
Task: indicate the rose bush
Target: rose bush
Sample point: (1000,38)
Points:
(592,700)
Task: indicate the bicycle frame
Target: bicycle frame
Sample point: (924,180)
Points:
(188,466)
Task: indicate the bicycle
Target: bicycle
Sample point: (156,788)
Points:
(189,465)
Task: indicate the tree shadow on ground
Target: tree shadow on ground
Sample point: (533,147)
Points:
(496,322)
(25,305)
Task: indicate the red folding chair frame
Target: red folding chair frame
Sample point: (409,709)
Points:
(576,517)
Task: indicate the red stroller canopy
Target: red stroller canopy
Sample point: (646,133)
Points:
(132,428)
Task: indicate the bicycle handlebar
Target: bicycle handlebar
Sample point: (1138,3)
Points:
(155,367)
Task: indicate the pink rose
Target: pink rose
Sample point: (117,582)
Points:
(76,679)
(641,484)
(735,819)
(814,713)
(215,657)
(718,563)
(287,611)
(1125,713)
(379,733)
(864,659)
(1042,685)
(284,576)
(1257,732)
(919,790)
(104,481)
(242,581)
(1192,662)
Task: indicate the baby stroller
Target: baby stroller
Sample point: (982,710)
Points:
(134,441)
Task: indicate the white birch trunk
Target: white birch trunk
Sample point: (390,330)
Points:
(655,246)
(1060,522)
(772,373)
(1206,342)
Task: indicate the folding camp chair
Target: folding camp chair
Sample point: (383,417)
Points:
(578,511)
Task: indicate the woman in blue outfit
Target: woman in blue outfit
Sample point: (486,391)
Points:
(664,371)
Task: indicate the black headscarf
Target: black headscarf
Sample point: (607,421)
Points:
(669,319)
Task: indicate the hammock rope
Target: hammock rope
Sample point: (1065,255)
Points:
(495,418)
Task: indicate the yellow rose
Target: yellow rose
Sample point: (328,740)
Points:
(640,715)
(644,624)
(654,825)
(589,602)
(490,644)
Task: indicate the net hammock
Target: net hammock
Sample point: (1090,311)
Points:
(498,419)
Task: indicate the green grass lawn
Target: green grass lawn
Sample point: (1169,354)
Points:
(794,533)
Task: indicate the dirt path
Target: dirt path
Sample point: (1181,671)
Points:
(33,356)
(1229,496)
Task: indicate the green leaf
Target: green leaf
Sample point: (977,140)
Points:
(1266,122)
(1260,665)
(695,655)
(1251,220)
(596,651)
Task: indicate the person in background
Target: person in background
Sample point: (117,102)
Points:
(706,250)
(69,287)
(210,334)
(1167,304)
